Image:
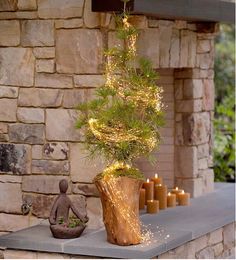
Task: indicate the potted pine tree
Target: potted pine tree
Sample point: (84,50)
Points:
(121,124)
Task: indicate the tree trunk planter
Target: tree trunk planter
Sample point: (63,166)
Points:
(120,202)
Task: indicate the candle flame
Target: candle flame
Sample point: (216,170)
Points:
(176,188)
(156,175)
(147,180)
(169,193)
(182,192)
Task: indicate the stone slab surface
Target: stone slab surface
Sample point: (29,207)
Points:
(170,229)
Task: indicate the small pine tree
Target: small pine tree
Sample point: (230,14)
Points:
(122,122)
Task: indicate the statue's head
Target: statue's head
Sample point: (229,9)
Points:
(63,186)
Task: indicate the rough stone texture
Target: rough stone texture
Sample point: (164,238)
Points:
(27,5)
(3,127)
(50,167)
(208,95)
(206,253)
(17,66)
(42,184)
(193,88)
(10,199)
(37,33)
(6,5)
(56,151)
(82,169)
(8,110)
(60,8)
(174,49)
(203,46)
(229,236)
(45,66)
(26,133)
(139,21)
(74,56)
(91,19)
(203,151)
(186,161)
(185,106)
(10,178)
(60,125)
(193,185)
(44,52)
(53,80)
(8,92)
(68,24)
(30,115)
(218,250)
(205,61)
(92,81)
(19,254)
(40,97)
(86,189)
(37,151)
(215,236)
(15,159)
(73,97)
(94,209)
(148,45)
(208,180)
(10,33)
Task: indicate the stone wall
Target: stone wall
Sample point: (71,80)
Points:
(51,56)
(217,244)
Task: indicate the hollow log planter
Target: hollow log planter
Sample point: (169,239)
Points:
(120,202)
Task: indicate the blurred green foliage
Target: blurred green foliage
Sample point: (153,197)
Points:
(224,124)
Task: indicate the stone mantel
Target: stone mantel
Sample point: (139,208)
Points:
(171,228)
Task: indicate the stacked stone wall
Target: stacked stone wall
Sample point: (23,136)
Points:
(51,56)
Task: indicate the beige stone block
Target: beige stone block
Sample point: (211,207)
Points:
(203,46)
(192,26)
(42,184)
(53,80)
(8,110)
(216,236)
(82,168)
(188,106)
(194,186)
(50,167)
(10,199)
(67,24)
(85,189)
(200,243)
(58,131)
(193,88)
(175,49)
(229,236)
(186,161)
(19,254)
(4,138)
(94,209)
(29,15)
(60,9)
(89,80)
(56,151)
(206,253)
(105,19)
(165,35)
(152,22)
(6,5)
(17,67)
(44,52)
(30,115)
(76,56)
(205,60)
(179,138)
(148,45)
(45,66)
(37,33)
(37,151)
(10,178)
(26,133)
(182,252)
(73,97)
(3,128)
(208,102)
(218,250)
(91,19)
(8,92)
(178,89)
(40,97)
(9,222)
(180,24)
(203,151)
(27,5)
(202,163)
(10,33)
(43,255)
(139,21)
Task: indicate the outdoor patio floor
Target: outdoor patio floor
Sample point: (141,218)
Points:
(170,228)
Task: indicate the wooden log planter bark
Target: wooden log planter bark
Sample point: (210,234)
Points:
(120,202)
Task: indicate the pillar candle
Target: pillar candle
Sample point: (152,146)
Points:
(176,191)
(184,198)
(171,200)
(142,199)
(160,194)
(152,206)
(157,179)
(149,188)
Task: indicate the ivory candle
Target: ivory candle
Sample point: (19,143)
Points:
(152,206)
(171,200)
(184,198)
(157,179)
(160,194)
(142,198)
(149,188)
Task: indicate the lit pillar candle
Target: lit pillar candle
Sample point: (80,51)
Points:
(157,179)
(152,206)
(176,191)
(160,194)
(149,188)
(171,200)
(184,198)
(142,199)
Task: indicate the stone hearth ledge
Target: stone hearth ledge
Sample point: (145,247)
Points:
(171,228)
